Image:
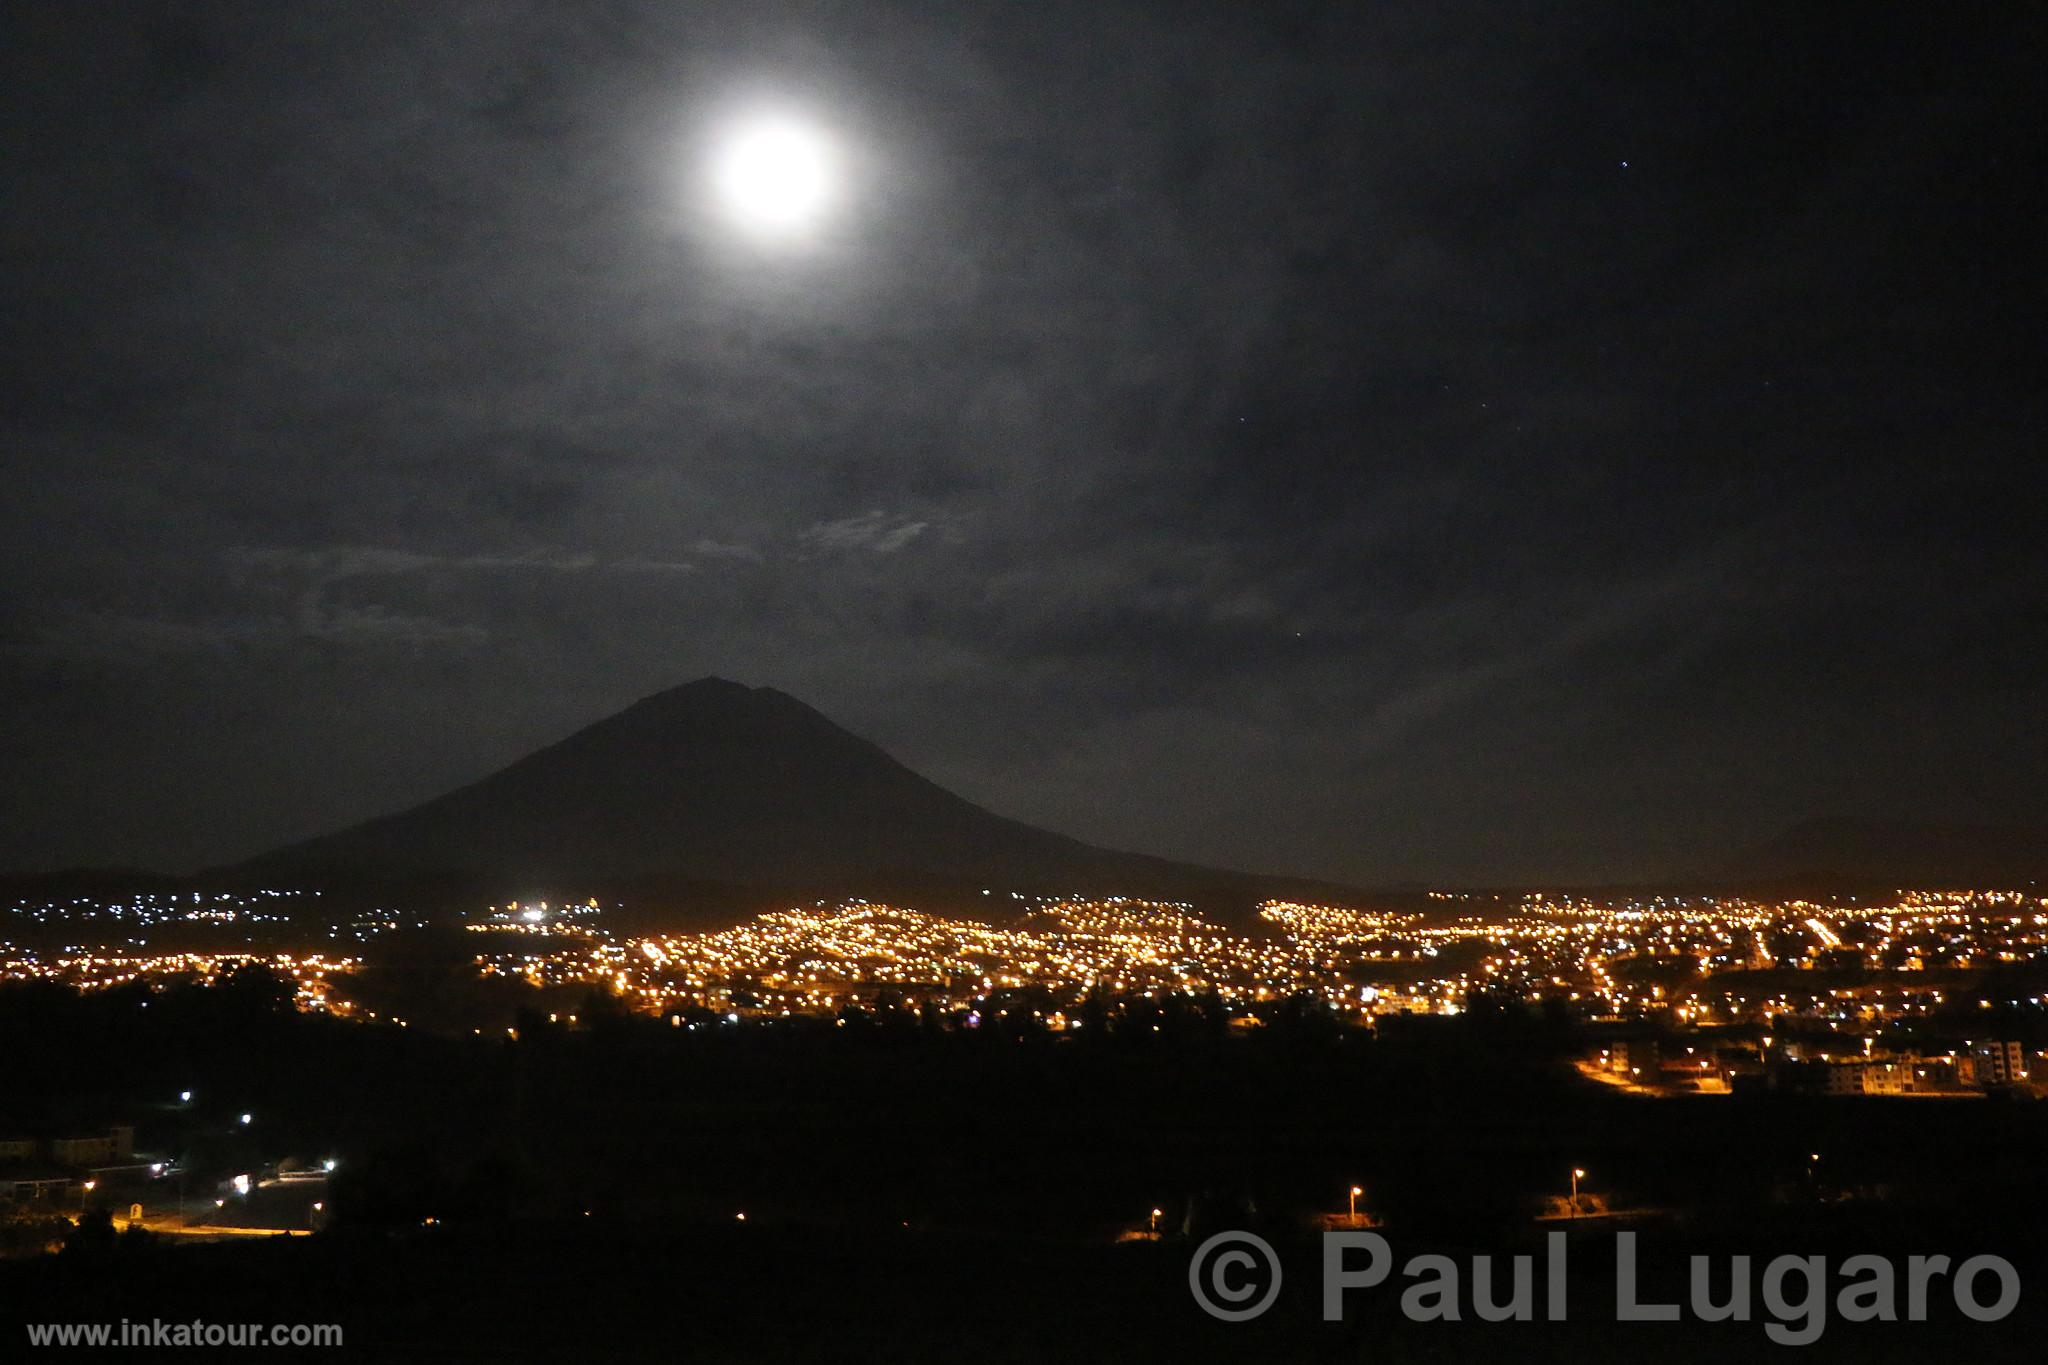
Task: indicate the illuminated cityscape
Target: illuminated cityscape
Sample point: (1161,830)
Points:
(1698,961)
(1134,682)
(1870,990)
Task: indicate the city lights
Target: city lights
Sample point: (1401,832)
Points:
(1730,974)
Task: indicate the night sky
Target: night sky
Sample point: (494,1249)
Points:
(1374,441)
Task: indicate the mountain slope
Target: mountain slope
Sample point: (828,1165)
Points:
(714,782)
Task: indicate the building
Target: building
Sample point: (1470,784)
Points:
(1639,1059)
(1841,1078)
(1814,1076)
(33,1171)
(37,1182)
(1888,1078)
(116,1144)
(1993,1063)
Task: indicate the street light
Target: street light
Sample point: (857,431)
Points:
(1155,1221)
(248,1119)
(1578,1174)
(1356,1190)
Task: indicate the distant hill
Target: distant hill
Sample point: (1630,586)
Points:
(714,790)
(90,883)
(1899,853)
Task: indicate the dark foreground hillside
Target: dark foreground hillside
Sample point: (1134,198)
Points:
(917,1195)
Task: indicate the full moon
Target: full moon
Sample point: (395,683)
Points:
(775,178)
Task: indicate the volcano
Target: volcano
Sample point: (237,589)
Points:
(716,784)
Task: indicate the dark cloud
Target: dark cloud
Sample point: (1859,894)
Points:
(1379,441)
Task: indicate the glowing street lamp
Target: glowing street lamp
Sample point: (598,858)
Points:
(1155,1220)
(1356,1190)
(1578,1174)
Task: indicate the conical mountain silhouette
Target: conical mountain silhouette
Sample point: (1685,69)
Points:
(716,782)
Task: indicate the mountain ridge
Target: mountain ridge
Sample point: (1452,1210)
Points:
(714,783)
(1919,853)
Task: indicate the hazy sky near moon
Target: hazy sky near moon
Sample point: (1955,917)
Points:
(1383,442)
